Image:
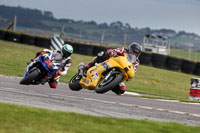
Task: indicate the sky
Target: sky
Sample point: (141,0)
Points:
(178,15)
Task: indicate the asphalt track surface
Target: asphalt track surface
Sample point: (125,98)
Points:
(88,102)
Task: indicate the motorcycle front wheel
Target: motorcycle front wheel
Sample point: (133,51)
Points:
(30,77)
(74,83)
(108,84)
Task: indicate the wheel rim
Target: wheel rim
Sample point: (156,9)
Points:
(105,82)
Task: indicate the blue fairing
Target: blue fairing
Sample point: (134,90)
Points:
(41,60)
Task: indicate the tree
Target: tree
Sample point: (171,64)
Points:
(116,25)
(92,23)
(103,26)
(48,14)
(127,26)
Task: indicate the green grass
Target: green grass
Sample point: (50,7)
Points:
(148,80)
(194,55)
(184,40)
(21,119)
(160,82)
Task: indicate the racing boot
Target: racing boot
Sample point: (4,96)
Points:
(119,89)
(44,80)
(82,68)
(53,82)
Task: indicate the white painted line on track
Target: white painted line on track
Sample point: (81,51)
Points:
(132,93)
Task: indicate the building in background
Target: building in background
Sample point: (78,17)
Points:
(156,44)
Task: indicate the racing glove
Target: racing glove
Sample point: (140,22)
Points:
(112,53)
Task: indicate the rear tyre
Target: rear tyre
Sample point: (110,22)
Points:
(30,77)
(74,83)
(106,85)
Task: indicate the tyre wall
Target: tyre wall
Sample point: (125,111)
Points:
(159,60)
(27,39)
(12,36)
(98,49)
(145,58)
(42,42)
(173,63)
(2,34)
(197,69)
(188,66)
(86,49)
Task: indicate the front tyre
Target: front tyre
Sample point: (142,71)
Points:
(30,77)
(74,83)
(108,84)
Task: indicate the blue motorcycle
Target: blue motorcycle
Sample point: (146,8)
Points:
(41,69)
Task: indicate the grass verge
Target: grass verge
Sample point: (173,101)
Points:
(185,54)
(21,119)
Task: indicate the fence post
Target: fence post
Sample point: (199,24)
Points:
(62,32)
(125,37)
(102,37)
(80,36)
(14,23)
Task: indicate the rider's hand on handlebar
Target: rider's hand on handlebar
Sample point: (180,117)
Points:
(59,72)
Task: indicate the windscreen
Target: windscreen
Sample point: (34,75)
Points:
(131,58)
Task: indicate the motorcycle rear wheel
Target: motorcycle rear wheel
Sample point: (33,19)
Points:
(74,83)
(30,77)
(106,85)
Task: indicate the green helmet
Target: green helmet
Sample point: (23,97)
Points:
(67,50)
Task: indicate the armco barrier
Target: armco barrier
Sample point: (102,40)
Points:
(173,63)
(27,39)
(42,42)
(12,36)
(188,66)
(2,34)
(86,49)
(145,58)
(158,60)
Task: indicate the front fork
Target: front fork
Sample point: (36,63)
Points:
(113,71)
